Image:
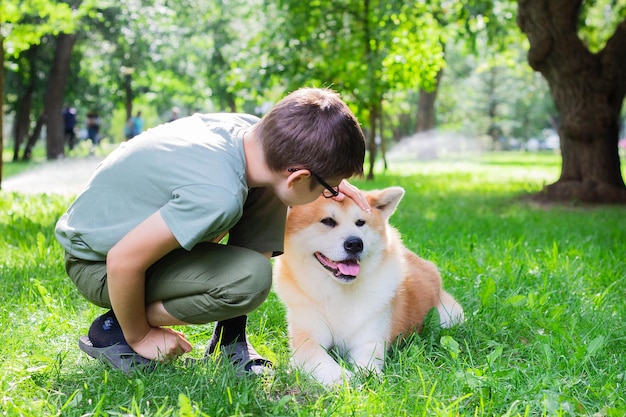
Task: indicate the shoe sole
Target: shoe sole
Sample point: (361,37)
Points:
(118,356)
(246,360)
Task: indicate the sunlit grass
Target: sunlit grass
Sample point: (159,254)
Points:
(543,289)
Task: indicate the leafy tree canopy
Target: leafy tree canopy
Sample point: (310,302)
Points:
(24,22)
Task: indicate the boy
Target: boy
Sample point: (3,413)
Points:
(140,240)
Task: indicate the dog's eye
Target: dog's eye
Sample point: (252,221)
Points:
(328,221)
(360,223)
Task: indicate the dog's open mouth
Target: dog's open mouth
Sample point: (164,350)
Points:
(345,270)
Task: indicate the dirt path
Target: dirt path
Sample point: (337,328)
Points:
(67,176)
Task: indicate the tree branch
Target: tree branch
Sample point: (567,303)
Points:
(550,24)
(532,20)
(613,59)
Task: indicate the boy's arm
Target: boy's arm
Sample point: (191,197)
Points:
(127,263)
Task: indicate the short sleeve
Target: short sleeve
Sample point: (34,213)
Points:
(198,213)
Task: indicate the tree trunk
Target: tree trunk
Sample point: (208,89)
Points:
(128,94)
(588,90)
(21,124)
(53,101)
(1,104)
(372,140)
(381,135)
(232,105)
(28,69)
(34,137)
(426,116)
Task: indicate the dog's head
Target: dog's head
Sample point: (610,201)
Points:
(338,236)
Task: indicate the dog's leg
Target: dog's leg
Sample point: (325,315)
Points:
(369,356)
(450,311)
(314,359)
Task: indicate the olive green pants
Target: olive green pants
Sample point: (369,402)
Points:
(211,282)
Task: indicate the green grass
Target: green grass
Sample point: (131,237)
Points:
(10,167)
(543,289)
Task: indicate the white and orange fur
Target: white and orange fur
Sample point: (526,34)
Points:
(350,284)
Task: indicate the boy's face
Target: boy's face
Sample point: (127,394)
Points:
(296,190)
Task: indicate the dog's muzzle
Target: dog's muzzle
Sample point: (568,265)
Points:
(347,269)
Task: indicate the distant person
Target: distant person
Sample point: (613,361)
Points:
(174,116)
(93,130)
(134,126)
(69,122)
(138,124)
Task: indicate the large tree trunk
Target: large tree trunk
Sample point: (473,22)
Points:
(588,90)
(53,102)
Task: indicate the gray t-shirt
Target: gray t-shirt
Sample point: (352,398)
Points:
(192,170)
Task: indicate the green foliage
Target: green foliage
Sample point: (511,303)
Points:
(482,91)
(542,289)
(234,55)
(365,50)
(598,20)
(240,55)
(24,22)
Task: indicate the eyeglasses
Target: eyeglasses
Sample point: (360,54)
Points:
(329,191)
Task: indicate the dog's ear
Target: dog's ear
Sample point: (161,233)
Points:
(385,200)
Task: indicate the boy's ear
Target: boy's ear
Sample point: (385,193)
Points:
(298,176)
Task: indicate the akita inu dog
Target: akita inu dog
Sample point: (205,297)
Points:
(350,284)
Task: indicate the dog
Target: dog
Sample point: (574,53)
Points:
(350,285)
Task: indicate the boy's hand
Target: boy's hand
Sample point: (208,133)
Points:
(348,190)
(162,343)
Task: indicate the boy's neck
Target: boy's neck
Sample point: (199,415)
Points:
(257,172)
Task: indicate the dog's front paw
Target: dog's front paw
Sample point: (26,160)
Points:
(334,376)
(327,371)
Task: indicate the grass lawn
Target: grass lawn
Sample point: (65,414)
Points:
(543,289)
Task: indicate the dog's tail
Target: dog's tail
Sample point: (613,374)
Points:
(450,311)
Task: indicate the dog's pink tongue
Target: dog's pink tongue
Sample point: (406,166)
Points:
(349,268)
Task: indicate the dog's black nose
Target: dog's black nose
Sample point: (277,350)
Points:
(353,245)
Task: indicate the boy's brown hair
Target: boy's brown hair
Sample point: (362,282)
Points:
(313,128)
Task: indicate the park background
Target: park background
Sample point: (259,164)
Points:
(453,112)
